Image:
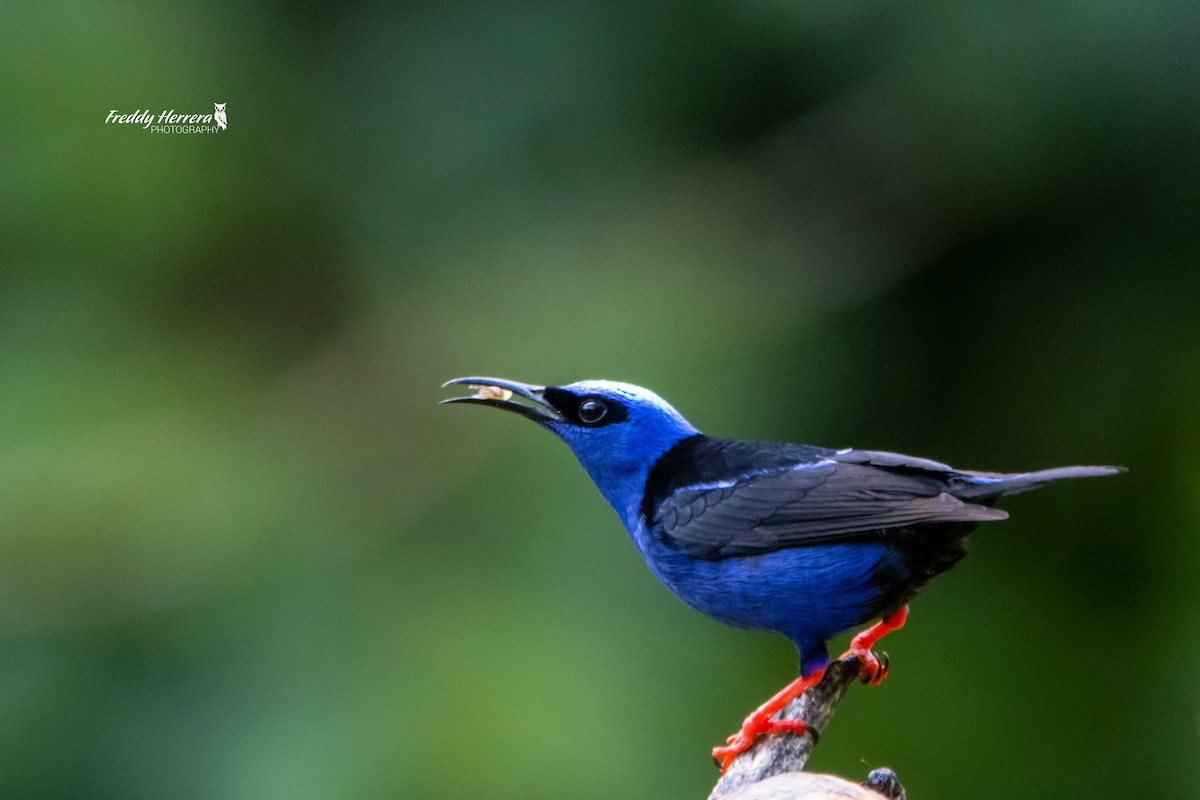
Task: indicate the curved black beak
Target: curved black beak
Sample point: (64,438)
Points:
(497,392)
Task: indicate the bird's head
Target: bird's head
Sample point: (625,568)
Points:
(616,430)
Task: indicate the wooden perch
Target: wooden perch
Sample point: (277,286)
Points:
(811,786)
(772,756)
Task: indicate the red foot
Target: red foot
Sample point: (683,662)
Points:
(760,721)
(873,670)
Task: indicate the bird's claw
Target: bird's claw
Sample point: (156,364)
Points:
(883,660)
(724,755)
(753,727)
(874,668)
(762,721)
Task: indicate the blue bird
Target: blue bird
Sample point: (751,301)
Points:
(802,540)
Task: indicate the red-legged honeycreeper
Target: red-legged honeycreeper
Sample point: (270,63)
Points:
(793,538)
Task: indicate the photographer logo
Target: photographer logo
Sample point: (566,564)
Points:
(170,121)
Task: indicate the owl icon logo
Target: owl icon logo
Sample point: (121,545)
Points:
(219,115)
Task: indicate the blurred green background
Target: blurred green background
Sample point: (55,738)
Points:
(244,554)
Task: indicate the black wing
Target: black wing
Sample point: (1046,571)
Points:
(804,496)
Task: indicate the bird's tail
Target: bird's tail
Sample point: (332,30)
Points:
(982,485)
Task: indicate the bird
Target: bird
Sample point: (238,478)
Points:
(219,114)
(805,541)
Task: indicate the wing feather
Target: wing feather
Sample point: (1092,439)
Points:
(848,495)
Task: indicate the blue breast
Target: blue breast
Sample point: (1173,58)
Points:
(809,594)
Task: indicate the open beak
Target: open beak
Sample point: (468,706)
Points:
(499,393)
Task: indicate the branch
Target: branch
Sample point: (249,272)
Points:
(787,752)
(881,784)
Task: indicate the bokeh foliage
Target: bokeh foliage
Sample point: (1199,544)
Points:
(243,554)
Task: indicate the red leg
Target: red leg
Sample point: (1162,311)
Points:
(760,721)
(860,646)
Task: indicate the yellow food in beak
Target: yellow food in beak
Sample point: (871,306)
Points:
(492,393)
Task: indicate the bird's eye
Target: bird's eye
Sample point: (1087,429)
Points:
(592,411)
